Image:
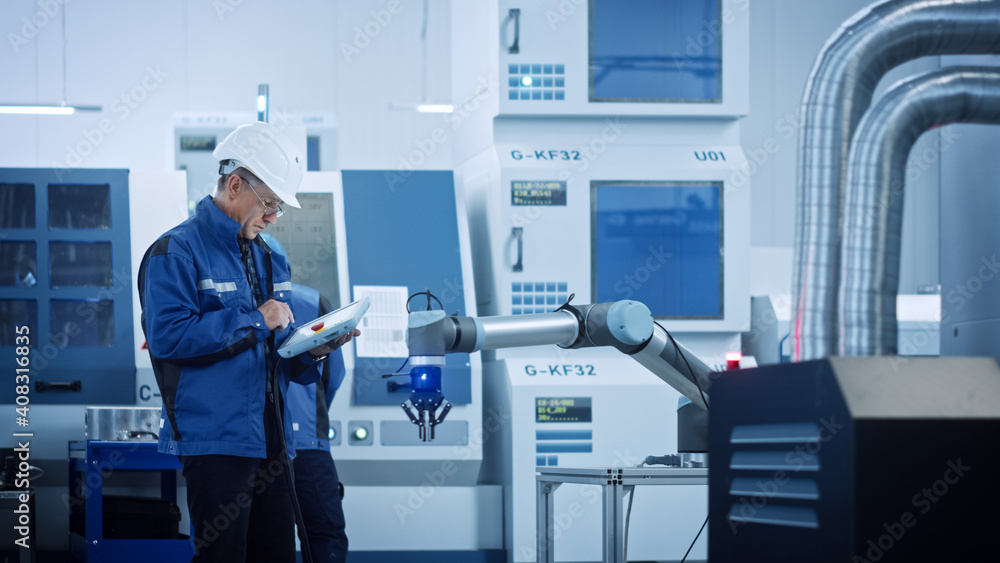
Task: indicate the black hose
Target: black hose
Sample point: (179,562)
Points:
(289,471)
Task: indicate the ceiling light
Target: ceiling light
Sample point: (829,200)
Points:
(435,108)
(38,109)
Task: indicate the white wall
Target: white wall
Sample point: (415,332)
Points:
(197,55)
(389,70)
(192,55)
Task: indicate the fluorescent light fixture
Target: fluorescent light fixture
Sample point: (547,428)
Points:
(263,102)
(435,108)
(423,108)
(35,109)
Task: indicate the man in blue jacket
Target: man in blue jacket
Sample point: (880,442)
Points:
(317,485)
(215,307)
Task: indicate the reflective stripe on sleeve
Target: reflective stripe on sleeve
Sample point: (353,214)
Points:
(221,287)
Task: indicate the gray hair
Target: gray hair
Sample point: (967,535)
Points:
(243,173)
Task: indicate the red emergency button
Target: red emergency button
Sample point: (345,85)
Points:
(733,360)
(317,327)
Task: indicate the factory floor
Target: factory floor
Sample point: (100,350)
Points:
(371,557)
(64,557)
(491,556)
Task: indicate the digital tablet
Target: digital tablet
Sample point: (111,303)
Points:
(324,329)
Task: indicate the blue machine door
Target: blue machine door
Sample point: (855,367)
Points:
(66,285)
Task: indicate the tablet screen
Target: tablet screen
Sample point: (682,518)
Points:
(321,330)
(327,322)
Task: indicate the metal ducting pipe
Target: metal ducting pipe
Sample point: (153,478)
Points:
(837,94)
(873,202)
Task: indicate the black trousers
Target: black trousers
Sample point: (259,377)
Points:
(241,507)
(318,490)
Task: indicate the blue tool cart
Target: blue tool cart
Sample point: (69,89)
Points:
(90,463)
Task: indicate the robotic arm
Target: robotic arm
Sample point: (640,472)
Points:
(625,325)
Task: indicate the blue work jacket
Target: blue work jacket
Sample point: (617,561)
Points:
(309,405)
(206,337)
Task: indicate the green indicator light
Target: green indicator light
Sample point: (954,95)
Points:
(360,433)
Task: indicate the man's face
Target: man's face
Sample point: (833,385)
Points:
(256,208)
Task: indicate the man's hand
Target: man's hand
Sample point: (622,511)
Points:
(332,345)
(277,315)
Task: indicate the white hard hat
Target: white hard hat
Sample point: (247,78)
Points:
(264,150)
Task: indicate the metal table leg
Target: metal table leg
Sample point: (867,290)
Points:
(544,503)
(614,532)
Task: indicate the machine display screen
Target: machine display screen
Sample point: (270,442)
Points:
(204,143)
(529,192)
(660,243)
(656,51)
(562,409)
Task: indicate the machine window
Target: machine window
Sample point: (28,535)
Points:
(82,322)
(80,264)
(79,207)
(17,206)
(15,313)
(655,51)
(660,243)
(17,264)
